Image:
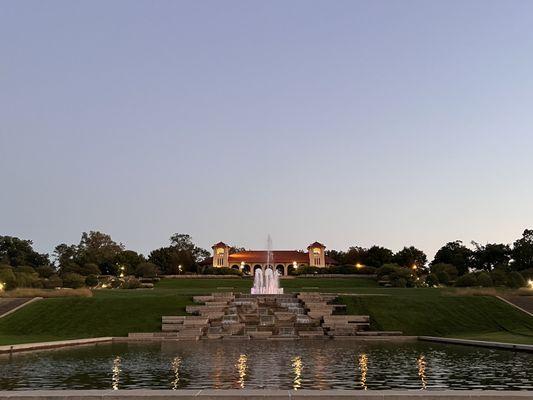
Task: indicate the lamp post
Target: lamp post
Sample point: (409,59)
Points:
(180,269)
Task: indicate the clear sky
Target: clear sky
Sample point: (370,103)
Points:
(347,122)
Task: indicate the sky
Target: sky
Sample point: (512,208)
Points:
(395,123)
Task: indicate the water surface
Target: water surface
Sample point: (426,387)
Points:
(266,364)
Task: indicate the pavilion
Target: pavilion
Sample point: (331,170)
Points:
(282,260)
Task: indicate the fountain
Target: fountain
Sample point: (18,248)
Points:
(267,281)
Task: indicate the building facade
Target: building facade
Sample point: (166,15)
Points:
(283,261)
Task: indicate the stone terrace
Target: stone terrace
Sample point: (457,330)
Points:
(272,317)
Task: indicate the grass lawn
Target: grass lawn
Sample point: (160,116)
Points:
(434,312)
(413,311)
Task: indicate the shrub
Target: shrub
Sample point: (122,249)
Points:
(467,280)
(91,281)
(484,279)
(222,271)
(52,282)
(73,280)
(449,269)
(25,269)
(131,283)
(307,270)
(45,271)
(7,276)
(146,270)
(396,275)
(515,280)
(432,280)
(25,279)
(443,277)
(499,277)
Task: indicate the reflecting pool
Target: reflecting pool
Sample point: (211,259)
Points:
(268,364)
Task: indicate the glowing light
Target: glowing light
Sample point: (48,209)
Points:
(104,285)
(176,364)
(242,265)
(294,264)
(122,274)
(530,283)
(180,268)
(358,265)
(421,362)
(297,367)
(414,267)
(363,368)
(241,369)
(116,373)
(2,286)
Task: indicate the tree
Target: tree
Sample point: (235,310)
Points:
(409,257)
(522,252)
(445,272)
(98,248)
(489,256)
(130,259)
(355,255)
(168,259)
(146,270)
(65,254)
(15,252)
(457,254)
(183,242)
(377,256)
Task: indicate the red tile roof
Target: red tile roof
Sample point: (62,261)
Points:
(260,256)
(219,244)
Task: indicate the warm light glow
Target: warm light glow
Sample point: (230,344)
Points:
(116,373)
(530,283)
(294,264)
(122,274)
(241,369)
(220,250)
(297,367)
(176,364)
(242,265)
(358,265)
(2,286)
(421,362)
(180,267)
(104,285)
(363,368)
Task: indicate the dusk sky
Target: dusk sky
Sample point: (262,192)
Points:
(347,122)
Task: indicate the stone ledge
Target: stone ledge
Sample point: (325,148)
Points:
(479,343)
(256,394)
(50,345)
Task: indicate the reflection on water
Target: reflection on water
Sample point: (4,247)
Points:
(421,362)
(116,373)
(259,364)
(241,370)
(297,367)
(363,368)
(176,363)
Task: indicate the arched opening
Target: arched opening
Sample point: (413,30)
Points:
(256,266)
(235,266)
(269,266)
(291,269)
(280,269)
(246,269)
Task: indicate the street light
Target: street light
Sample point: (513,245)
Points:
(180,268)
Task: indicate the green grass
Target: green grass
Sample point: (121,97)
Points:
(413,311)
(432,312)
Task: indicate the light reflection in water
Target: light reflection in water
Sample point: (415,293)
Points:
(297,367)
(421,362)
(116,372)
(363,368)
(176,364)
(241,369)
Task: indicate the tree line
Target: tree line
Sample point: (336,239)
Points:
(96,254)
